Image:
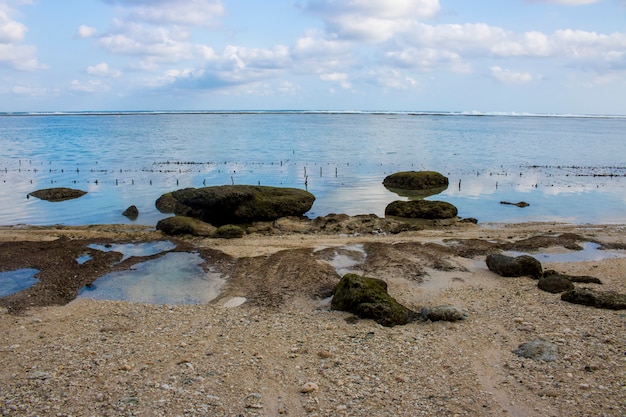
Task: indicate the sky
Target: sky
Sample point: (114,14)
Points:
(520,56)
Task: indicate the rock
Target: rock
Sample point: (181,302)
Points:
(421,209)
(609,300)
(416,180)
(181,225)
(538,350)
(573,278)
(229,231)
(520,204)
(57,194)
(555,283)
(168,204)
(509,266)
(131,212)
(368,299)
(309,387)
(237,204)
(443,313)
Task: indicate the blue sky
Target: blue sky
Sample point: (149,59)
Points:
(537,56)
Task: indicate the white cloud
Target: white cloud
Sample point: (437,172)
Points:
(393,79)
(18,57)
(92,86)
(510,77)
(178,12)
(10,30)
(340,78)
(102,70)
(568,2)
(428,59)
(371,20)
(85,31)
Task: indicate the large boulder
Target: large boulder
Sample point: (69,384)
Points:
(518,266)
(368,299)
(57,194)
(237,204)
(600,299)
(421,209)
(182,225)
(416,180)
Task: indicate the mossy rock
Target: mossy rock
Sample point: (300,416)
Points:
(182,225)
(421,209)
(238,204)
(57,194)
(416,180)
(368,299)
(555,284)
(229,231)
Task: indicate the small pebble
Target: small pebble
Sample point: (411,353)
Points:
(309,387)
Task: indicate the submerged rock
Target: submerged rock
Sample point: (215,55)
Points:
(182,225)
(538,350)
(237,204)
(520,204)
(421,209)
(57,194)
(519,266)
(416,180)
(609,300)
(368,299)
(131,212)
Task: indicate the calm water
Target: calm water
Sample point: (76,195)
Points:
(569,169)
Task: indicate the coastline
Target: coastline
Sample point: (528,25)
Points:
(111,357)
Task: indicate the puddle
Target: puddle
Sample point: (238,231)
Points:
(590,252)
(135,249)
(174,278)
(18,280)
(83,258)
(345,258)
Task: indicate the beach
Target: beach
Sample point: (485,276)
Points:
(285,352)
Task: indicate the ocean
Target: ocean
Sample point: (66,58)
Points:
(568,168)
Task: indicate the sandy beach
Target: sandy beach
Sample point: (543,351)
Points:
(285,352)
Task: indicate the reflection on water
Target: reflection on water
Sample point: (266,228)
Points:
(135,249)
(174,278)
(344,259)
(18,280)
(591,252)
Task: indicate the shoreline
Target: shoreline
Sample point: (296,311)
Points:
(112,357)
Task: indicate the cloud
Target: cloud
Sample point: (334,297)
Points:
(340,78)
(510,77)
(92,86)
(567,2)
(102,70)
(371,20)
(428,59)
(85,31)
(10,30)
(178,12)
(12,54)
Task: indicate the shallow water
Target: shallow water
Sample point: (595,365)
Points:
(590,252)
(135,249)
(174,278)
(18,280)
(569,169)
